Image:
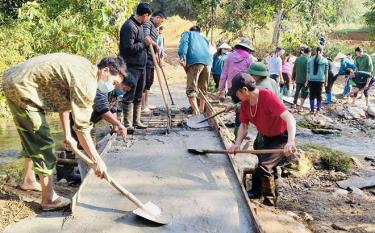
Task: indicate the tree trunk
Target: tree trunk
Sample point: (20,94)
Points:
(278,23)
(212,24)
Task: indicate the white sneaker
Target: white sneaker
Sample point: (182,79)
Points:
(151,107)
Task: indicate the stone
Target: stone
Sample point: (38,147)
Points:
(371,110)
(307,184)
(325,131)
(356,112)
(370,158)
(356,174)
(350,202)
(62,182)
(4,177)
(372,192)
(307,217)
(356,161)
(340,192)
(338,227)
(292,214)
(335,176)
(358,182)
(369,123)
(356,192)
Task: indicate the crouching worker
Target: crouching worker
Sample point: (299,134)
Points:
(61,83)
(364,81)
(104,108)
(274,123)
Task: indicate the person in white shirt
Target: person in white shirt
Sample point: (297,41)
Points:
(275,65)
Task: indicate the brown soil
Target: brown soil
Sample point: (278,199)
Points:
(314,195)
(353,36)
(16,204)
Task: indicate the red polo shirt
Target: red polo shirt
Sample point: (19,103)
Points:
(267,115)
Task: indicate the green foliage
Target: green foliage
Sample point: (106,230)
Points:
(9,8)
(84,27)
(330,159)
(183,8)
(370,16)
(245,17)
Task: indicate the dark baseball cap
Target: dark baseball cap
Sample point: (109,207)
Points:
(240,81)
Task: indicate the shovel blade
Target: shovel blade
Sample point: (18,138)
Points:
(194,122)
(151,212)
(196,152)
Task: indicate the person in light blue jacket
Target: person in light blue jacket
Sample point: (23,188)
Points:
(195,57)
(346,63)
(317,75)
(218,62)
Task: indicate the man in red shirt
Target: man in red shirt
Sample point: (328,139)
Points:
(273,121)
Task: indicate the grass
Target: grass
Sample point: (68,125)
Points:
(13,169)
(329,159)
(311,125)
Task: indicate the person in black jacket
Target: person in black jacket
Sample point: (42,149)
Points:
(133,46)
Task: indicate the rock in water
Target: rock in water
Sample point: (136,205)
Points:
(371,110)
(338,227)
(356,112)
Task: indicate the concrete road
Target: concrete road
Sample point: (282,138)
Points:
(197,193)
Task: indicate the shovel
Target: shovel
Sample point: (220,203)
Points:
(161,87)
(147,211)
(166,83)
(210,117)
(204,152)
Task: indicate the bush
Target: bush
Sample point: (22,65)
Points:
(85,27)
(330,159)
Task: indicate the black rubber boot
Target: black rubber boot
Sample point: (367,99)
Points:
(256,190)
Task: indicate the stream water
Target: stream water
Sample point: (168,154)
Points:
(347,142)
(10,144)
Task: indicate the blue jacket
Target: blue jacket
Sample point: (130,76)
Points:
(194,49)
(345,64)
(218,63)
(322,69)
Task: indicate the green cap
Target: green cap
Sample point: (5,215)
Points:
(259,69)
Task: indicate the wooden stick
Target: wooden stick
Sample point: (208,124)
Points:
(161,86)
(229,134)
(166,83)
(269,151)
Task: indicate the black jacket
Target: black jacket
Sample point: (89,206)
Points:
(132,46)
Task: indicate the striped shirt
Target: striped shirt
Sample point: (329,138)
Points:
(149,29)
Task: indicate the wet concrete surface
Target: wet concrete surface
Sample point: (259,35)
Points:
(197,193)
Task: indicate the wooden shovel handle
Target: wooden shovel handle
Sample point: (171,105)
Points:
(110,180)
(269,151)
(214,115)
(161,85)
